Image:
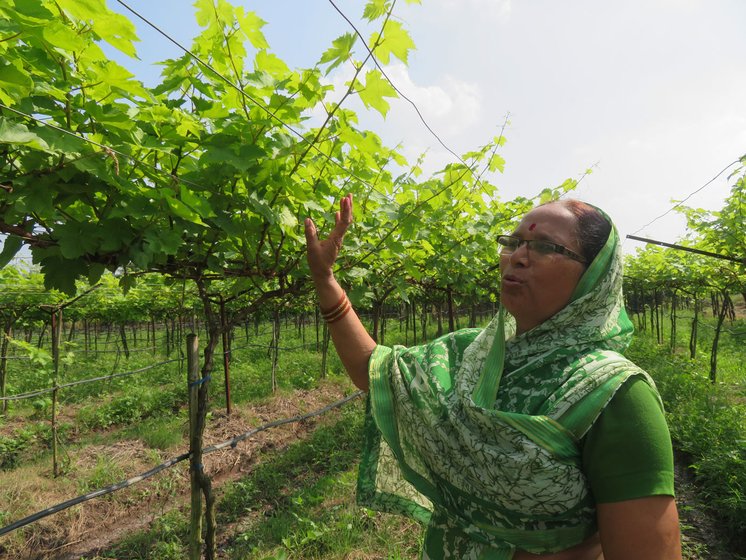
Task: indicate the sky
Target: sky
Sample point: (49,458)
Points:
(650,94)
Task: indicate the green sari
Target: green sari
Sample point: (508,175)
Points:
(477,434)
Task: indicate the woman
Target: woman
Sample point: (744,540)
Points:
(532,438)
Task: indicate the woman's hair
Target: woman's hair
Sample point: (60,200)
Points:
(592,227)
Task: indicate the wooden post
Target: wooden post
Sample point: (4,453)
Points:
(316,326)
(226,357)
(56,328)
(382,327)
(693,333)
(723,309)
(4,343)
(275,349)
(449,300)
(195,527)
(413,314)
(325,351)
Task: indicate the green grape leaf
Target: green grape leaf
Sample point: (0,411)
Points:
(396,40)
(204,11)
(18,134)
(60,273)
(272,64)
(183,211)
(14,79)
(111,27)
(497,163)
(251,24)
(339,51)
(77,239)
(375,90)
(287,219)
(59,35)
(95,271)
(195,202)
(375,9)
(127,282)
(162,241)
(11,246)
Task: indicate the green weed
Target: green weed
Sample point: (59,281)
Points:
(139,403)
(12,447)
(160,433)
(105,473)
(706,422)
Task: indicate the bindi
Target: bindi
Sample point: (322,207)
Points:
(532,227)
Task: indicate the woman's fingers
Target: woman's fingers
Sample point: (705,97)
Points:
(312,235)
(322,253)
(342,220)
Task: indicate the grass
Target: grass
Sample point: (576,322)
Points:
(707,422)
(160,433)
(297,503)
(300,503)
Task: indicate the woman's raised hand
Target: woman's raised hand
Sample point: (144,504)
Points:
(322,254)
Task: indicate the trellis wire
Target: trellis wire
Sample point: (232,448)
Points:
(232,443)
(245,94)
(731,164)
(31,394)
(396,89)
(84,381)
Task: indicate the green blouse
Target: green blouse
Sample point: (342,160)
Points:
(627,453)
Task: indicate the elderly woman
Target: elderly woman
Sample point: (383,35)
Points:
(532,438)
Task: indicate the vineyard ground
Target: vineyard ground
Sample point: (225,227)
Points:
(95,525)
(112,527)
(92,530)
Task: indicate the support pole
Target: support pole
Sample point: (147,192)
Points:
(226,357)
(195,527)
(56,328)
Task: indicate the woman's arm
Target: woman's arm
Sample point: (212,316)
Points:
(353,343)
(640,529)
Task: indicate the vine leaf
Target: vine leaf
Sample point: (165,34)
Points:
(11,246)
(251,24)
(396,40)
(183,211)
(111,27)
(60,273)
(339,51)
(14,79)
(497,163)
(196,203)
(375,90)
(16,133)
(375,9)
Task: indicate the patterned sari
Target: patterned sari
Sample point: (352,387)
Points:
(477,434)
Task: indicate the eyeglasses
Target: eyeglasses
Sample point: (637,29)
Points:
(511,243)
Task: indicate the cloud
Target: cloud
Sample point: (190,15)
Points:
(453,105)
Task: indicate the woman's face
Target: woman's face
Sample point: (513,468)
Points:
(535,286)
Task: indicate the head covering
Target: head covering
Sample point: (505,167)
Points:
(477,433)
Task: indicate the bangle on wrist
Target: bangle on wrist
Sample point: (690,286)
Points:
(340,309)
